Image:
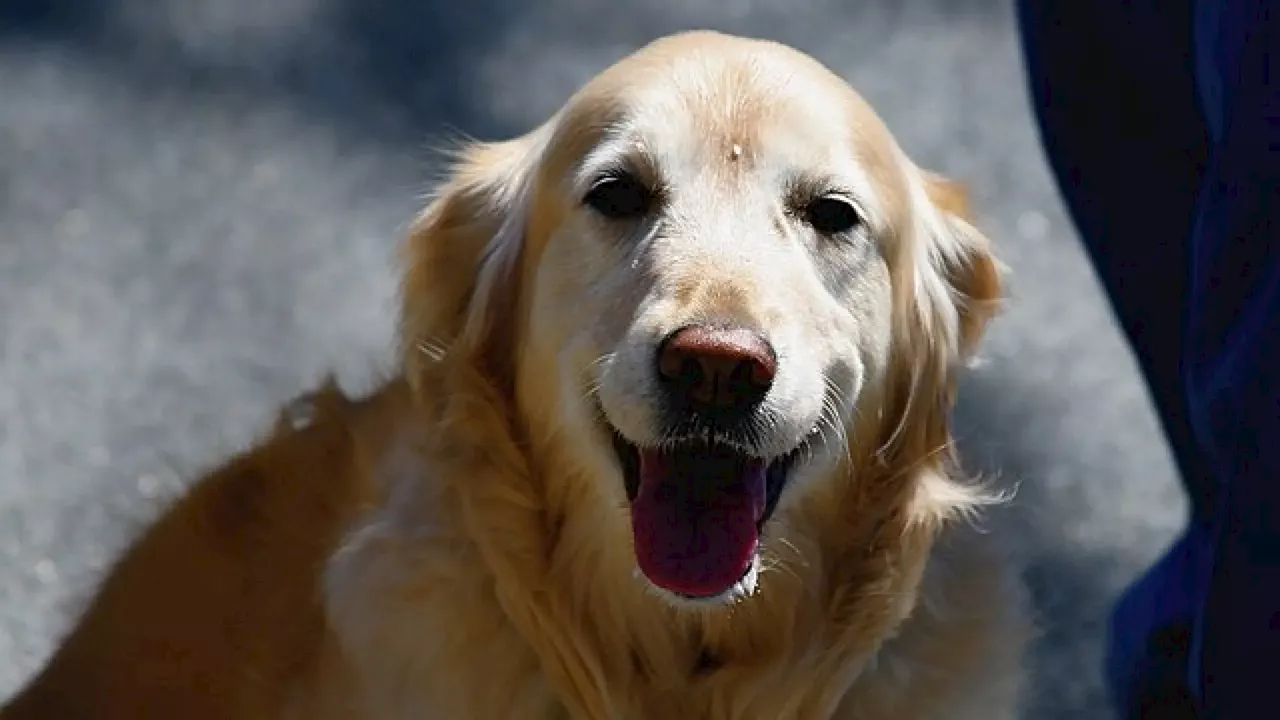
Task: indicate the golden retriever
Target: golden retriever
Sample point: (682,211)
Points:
(670,439)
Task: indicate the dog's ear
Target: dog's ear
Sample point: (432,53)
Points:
(966,276)
(463,256)
(950,288)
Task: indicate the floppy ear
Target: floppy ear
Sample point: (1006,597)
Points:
(463,257)
(966,268)
(460,325)
(949,290)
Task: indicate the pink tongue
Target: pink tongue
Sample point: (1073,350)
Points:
(694,519)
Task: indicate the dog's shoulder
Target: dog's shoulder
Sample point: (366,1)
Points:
(216,607)
(409,597)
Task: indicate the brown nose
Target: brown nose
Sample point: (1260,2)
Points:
(722,368)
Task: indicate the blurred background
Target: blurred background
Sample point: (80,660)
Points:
(199,202)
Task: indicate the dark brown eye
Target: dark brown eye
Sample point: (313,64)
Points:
(832,215)
(619,197)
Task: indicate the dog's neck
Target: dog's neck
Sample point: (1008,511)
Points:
(838,580)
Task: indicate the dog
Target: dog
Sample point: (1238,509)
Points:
(669,438)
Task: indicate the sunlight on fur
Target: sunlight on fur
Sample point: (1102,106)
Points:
(670,439)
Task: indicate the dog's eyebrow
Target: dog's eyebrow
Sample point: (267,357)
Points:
(617,154)
(803,185)
(851,180)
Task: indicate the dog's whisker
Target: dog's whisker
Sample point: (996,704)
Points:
(434,348)
(906,412)
(830,418)
(833,412)
(593,382)
(773,565)
(776,565)
(591,390)
(911,467)
(799,556)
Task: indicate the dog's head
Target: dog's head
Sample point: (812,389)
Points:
(711,284)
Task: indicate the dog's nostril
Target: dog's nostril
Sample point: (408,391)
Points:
(721,367)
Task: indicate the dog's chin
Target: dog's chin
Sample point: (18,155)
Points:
(699,507)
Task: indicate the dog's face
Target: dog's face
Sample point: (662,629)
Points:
(713,241)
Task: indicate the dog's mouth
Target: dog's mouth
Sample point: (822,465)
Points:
(698,507)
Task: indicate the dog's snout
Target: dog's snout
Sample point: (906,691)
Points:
(721,368)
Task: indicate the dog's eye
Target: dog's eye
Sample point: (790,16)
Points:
(619,197)
(832,215)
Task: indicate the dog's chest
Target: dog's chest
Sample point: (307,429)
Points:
(427,646)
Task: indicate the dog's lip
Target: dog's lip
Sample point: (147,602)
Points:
(693,440)
(778,472)
(751,570)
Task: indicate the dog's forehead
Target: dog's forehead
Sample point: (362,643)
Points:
(703,99)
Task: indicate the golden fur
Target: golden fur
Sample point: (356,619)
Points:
(455,545)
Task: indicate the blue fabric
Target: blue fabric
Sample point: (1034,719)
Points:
(1161,120)
(1233,353)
